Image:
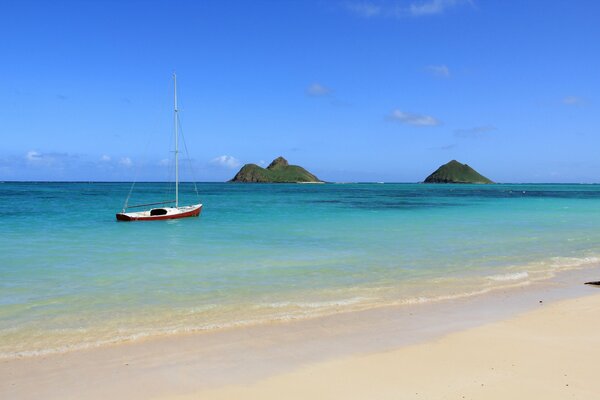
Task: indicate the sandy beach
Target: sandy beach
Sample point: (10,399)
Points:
(550,353)
(537,341)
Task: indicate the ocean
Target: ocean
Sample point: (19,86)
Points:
(72,277)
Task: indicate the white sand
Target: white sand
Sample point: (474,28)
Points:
(550,353)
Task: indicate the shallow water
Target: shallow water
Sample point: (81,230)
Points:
(71,276)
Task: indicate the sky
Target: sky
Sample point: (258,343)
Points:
(351,90)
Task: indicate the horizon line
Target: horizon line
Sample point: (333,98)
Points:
(324,182)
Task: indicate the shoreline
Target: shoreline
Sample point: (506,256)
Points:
(504,281)
(548,353)
(188,363)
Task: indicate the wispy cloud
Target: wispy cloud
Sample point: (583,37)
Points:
(444,147)
(572,100)
(431,7)
(226,161)
(439,71)
(37,164)
(475,132)
(33,156)
(413,119)
(318,90)
(396,9)
(36,158)
(126,162)
(366,10)
(448,146)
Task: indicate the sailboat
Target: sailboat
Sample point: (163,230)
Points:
(161,213)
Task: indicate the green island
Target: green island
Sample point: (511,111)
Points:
(455,172)
(279,171)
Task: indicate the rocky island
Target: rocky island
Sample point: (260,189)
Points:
(279,171)
(455,172)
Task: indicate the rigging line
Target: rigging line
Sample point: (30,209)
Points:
(168,182)
(135,177)
(137,168)
(188,157)
(171,173)
(129,194)
(170,168)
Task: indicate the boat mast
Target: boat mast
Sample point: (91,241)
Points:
(176,147)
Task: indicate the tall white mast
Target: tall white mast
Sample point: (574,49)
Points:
(176,147)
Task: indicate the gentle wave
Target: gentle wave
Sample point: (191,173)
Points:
(456,296)
(513,276)
(298,310)
(314,305)
(317,311)
(573,262)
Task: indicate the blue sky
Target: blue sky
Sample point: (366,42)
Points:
(352,90)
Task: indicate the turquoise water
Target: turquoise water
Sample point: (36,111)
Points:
(73,277)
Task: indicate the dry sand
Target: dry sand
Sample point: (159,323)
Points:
(550,353)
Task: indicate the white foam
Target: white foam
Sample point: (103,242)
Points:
(511,276)
(573,262)
(460,295)
(314,305)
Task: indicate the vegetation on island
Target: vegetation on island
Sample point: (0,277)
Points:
(455,172)
(279,171)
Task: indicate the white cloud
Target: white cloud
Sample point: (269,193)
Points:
(413,119)
(164,162)
(34,156)
(105,158)
(572,100)
(317,90)
(431,7)
(396,9)
(366,10)
(126,162)
(474,132)
(226,161)
(440,71)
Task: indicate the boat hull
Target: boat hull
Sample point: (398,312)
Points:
(194,211)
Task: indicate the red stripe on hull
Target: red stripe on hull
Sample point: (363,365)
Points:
(193,213)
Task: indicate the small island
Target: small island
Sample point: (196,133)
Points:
(279,171)
(455,172)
